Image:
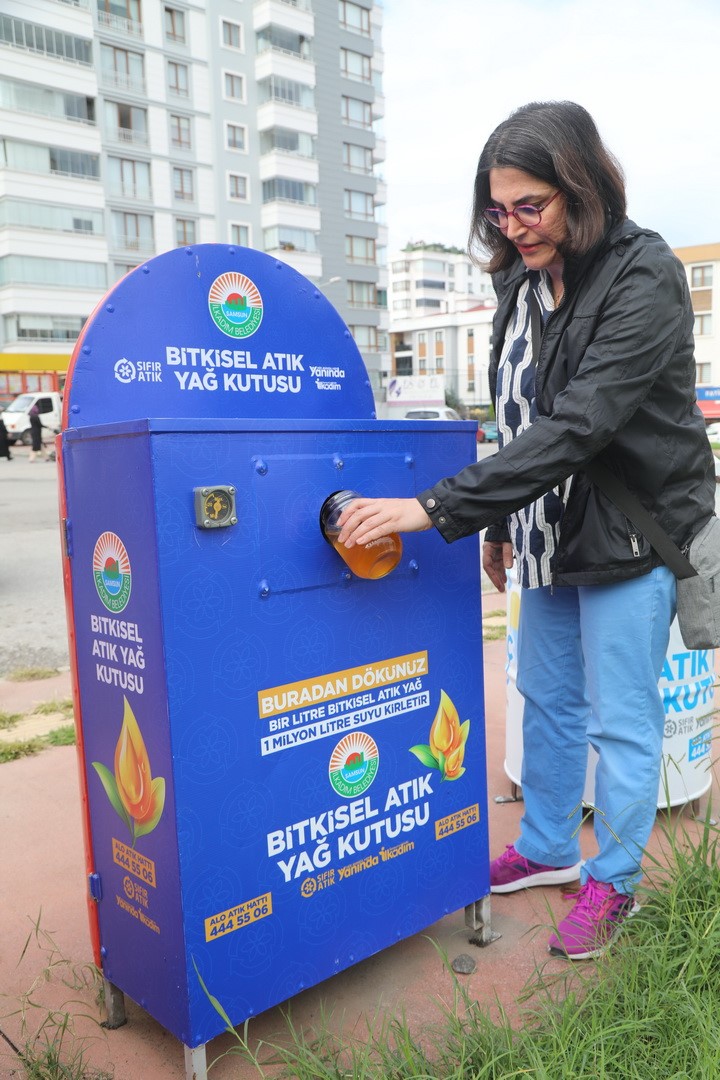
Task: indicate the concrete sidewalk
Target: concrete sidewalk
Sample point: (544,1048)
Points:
(42,880)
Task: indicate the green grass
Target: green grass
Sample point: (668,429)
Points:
(12,751)
(51,1048)
(8,720)
(499,613)
(647,1010)
(494,633)
(61,736)
(46,708)
(30,674)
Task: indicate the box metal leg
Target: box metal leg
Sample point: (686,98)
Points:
(477,918)
(196,1063)
(114,1006)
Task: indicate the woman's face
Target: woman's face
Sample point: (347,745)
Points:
(537,244)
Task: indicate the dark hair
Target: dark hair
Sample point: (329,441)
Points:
(558,142)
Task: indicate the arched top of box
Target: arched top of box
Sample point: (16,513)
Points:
(215,331)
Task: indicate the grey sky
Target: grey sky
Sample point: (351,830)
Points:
(647,70)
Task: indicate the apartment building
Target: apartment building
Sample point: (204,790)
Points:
(436,328)
(702,265)
(428,279)
(130,127)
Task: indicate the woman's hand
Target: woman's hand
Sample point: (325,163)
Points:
(365,520)
(496,559)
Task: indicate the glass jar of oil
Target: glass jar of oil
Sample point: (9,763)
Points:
(373,560)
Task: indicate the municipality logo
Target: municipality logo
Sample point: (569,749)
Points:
(111,570)
(236,305)
(354,764)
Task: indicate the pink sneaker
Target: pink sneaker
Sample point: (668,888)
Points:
(511,871)
(587,930)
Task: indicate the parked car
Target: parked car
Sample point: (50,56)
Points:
(713,432)
(439,413)
(17,415)
(487,432)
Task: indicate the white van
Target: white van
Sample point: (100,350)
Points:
(17,415)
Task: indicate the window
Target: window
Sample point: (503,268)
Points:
(702,373)
(239,234)
(44,101)
(21,327)
(288,91)
(289,142)
(284,190)
(185,232)
(28,270)
(703,325)
(122,68)
(470,343)
(237,186)
(701,276)
(74,163)
(42,39)
(37,215)
(180,132)
(401,305)
(126,123)
(129,179)
(354,17)
(365,337)
(401,267)
(422,344)
(232,35)
(361,294)
(356,113)
(234,86)
(429,284)
(287,238)
(355,65)
(360,249)
(439,341)
(280,39)
(178,82)
(401,286)
(133,232)
(175,25)
(359,204)
(357,158)
(235,136)
(424,302)
(183,186)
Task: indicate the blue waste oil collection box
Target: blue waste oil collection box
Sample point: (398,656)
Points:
(282,764)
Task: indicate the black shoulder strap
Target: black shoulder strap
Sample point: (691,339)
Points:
(601,476)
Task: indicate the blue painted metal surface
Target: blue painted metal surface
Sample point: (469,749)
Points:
(285,764)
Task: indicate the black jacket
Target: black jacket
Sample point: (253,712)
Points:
(615,380)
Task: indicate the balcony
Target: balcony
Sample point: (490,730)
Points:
(130,191)
(128,136)
(120,80)
(123,242)
(120,25)
(294,16)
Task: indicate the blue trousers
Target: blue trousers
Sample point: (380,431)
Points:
(589,660)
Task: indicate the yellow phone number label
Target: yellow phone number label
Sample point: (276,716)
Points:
(235,918)
(453,823)
(137,864)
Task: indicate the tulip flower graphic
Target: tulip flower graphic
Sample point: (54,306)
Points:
(446,749)
(136,798)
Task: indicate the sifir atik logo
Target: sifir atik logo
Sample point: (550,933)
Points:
(354,764)
(111,571)
(235,304)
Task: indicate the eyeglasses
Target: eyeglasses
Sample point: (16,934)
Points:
(526,215)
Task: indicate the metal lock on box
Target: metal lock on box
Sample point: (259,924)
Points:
(215,506)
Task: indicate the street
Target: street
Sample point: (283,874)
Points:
(31,590)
